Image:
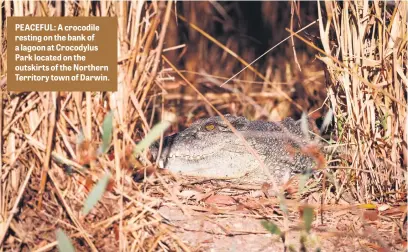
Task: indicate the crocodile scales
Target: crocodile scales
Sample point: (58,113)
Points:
(209,148)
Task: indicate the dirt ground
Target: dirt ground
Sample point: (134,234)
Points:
(230,220)
(199,215)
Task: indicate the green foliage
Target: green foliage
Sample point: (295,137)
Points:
(63,242)
(153,134)
(96,194)
(291,248)
(302,181)
(271,227)
(107,128)
(308,218)
(282,204)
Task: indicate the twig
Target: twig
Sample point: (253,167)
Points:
(347,69)
(14,209)
(145,53)
(158,50)
(88,115)
(292,10)
(70,213)
(58,157)
(247,65)
(53,244)
(50,140)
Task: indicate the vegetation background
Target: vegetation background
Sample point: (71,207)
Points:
(175,57)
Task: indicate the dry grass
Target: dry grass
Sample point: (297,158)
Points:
(365,50)
(43,130)
(271,88)
(44,147)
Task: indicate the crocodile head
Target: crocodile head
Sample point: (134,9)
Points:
(207,148)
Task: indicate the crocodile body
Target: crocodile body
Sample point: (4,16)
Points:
(209,148)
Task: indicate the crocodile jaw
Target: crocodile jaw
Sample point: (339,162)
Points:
(222,164)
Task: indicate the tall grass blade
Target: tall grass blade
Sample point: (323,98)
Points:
(154,133)
(271,227)
(308,218)
(96,194)
(107,128)
(63,242)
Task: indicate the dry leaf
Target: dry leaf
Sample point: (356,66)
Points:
(116,231)
(383,207)
(111,185)
(220,199)
(395,210)
(188,194)
(88,183)
(86,153)
(376,247)
(371,215)
(368,206)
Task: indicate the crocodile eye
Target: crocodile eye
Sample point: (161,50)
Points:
(210,127)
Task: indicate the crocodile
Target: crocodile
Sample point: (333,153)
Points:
(209,148)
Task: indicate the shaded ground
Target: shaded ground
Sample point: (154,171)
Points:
(198,215)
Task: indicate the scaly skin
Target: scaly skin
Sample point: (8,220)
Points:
(208,148)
